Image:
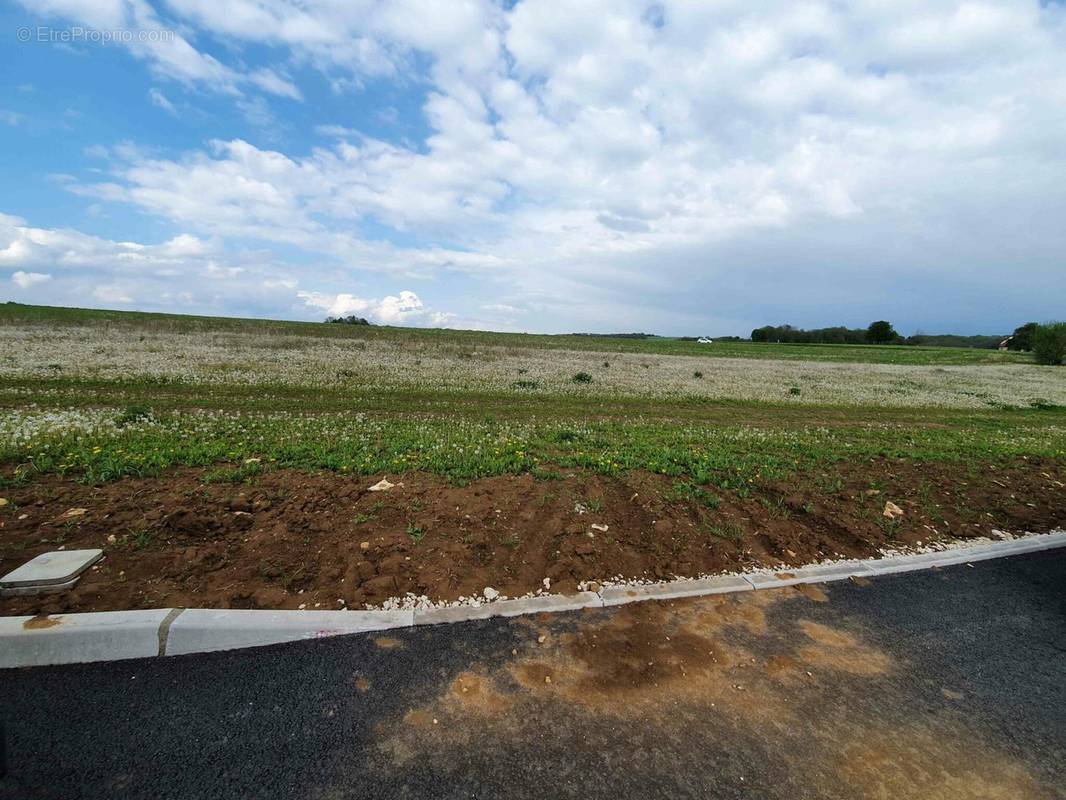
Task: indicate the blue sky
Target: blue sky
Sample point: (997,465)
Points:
(681,168)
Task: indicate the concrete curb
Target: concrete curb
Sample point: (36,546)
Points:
(620,595)
(115,635)
(73,638)
(203,630)
(509,608)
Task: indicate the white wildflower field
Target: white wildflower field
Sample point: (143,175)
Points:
(134,394)
(246,359)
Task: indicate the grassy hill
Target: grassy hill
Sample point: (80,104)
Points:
(19,314)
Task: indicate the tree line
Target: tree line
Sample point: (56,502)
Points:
(880,332)
(1046,342)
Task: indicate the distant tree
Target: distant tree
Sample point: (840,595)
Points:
(881,332)
(1022,338)
(1049,343)
(351,320)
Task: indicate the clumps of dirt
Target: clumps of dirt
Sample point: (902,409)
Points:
(41,623)
(477,694)
(841,651)
(918,764)
(645,661)
(290,539)
(687,667)
(812,592)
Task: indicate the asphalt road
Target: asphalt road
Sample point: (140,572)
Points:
(945,684)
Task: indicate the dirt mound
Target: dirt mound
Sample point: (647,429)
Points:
(293,539)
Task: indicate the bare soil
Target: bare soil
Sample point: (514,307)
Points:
(293,539)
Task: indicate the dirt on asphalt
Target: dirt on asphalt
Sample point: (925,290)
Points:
(292,539)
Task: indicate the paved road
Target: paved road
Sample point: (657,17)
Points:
(948,684)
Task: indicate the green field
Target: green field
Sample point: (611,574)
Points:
(15,314)
(97,395)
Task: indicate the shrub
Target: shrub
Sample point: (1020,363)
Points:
(582,377)
(133,414)
(794,390)
(1049,343)
(1022,338)
(697,374)
(525,384)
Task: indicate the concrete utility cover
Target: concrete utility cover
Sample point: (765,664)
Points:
(59,566)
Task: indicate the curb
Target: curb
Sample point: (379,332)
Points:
(204,630)
(115,635)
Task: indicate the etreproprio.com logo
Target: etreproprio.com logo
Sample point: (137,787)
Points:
(79,35)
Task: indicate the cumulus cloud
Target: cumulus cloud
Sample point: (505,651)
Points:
(403,309)
(24,280)
(602,161)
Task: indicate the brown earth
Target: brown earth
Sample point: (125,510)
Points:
(811,693)
(320,540)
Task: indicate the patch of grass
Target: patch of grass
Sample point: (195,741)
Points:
(415,532)
(581,377)
(727,530)
(594,504)
(142,538)
(683,490)
(132,414)
(363,517)
(238,474)
(529,385)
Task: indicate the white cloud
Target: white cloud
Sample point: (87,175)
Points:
(337,131)
(403,309)
(24,280)
(158,99)
(169,53)
(635,161)
(112,293)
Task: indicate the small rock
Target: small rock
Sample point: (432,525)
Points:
(596,526)
(111,539)
(381,486)
(540,639)
(364,545)
(872,492)
(70,513)
(892,511)
(547,678)
(3,502)
(547,583)
(490,593)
